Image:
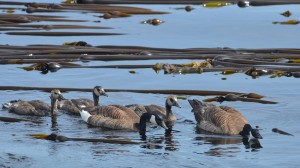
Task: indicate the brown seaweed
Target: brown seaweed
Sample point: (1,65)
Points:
(175,92)
(61,138)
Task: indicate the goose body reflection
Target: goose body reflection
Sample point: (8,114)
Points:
(222,120)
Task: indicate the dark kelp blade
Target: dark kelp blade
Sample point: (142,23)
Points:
(276,130)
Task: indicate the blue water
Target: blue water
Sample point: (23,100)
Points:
(222,27)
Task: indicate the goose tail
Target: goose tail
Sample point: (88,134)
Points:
(85,115)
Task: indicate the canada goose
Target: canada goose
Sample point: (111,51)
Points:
(166,113)
(71,105)
(34,107)
(222,120)
(115,118)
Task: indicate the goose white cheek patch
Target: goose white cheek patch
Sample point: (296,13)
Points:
(152,119)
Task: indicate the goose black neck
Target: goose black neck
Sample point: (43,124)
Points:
(245,133)
(168,108)
(96,99)
(53,106)
(143,120)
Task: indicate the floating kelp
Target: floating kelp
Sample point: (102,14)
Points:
(192,67)
(205,64)
(286,13)
(19,18)
(132,72)
(123,11)
(294,61)
(256,63)
(154,21)
(187,8)
(215,4)
(251,97)
(44,67)
(62,33)
(69,1)
(289,22)
(174,92)
(256,72)
(13,26)
(229,72)
(140,1)
(114,14)
(61,138)
(244,3)
(77,43)
(276,130)
(10,11)
(9,119)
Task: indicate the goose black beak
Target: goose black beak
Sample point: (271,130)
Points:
(177,105)
(255,133)
(60,97)
(163,124)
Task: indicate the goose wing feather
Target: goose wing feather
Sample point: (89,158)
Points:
(155,109)
(223,120)
(128,112)
(111,123)
(114,113)
(25,108)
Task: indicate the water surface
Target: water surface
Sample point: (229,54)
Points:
(187,147)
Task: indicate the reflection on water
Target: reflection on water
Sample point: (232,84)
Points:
(252,144)
(9,159)
(167,142)
(54,125)
(224,145)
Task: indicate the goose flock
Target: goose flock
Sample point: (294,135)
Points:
(215,119)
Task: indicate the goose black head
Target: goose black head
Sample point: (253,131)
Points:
(56,95)
(245,133)
(52,67)
(153,118)
(255,133)
(99,91)
(172,101)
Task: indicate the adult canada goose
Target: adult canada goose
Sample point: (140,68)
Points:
(112,117)
(71,105)
(34,107)
(222,120)
(166,113)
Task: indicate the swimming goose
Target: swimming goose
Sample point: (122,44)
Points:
(112,117)
(222,120)
(166,113)
(34,107)
(70,105)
